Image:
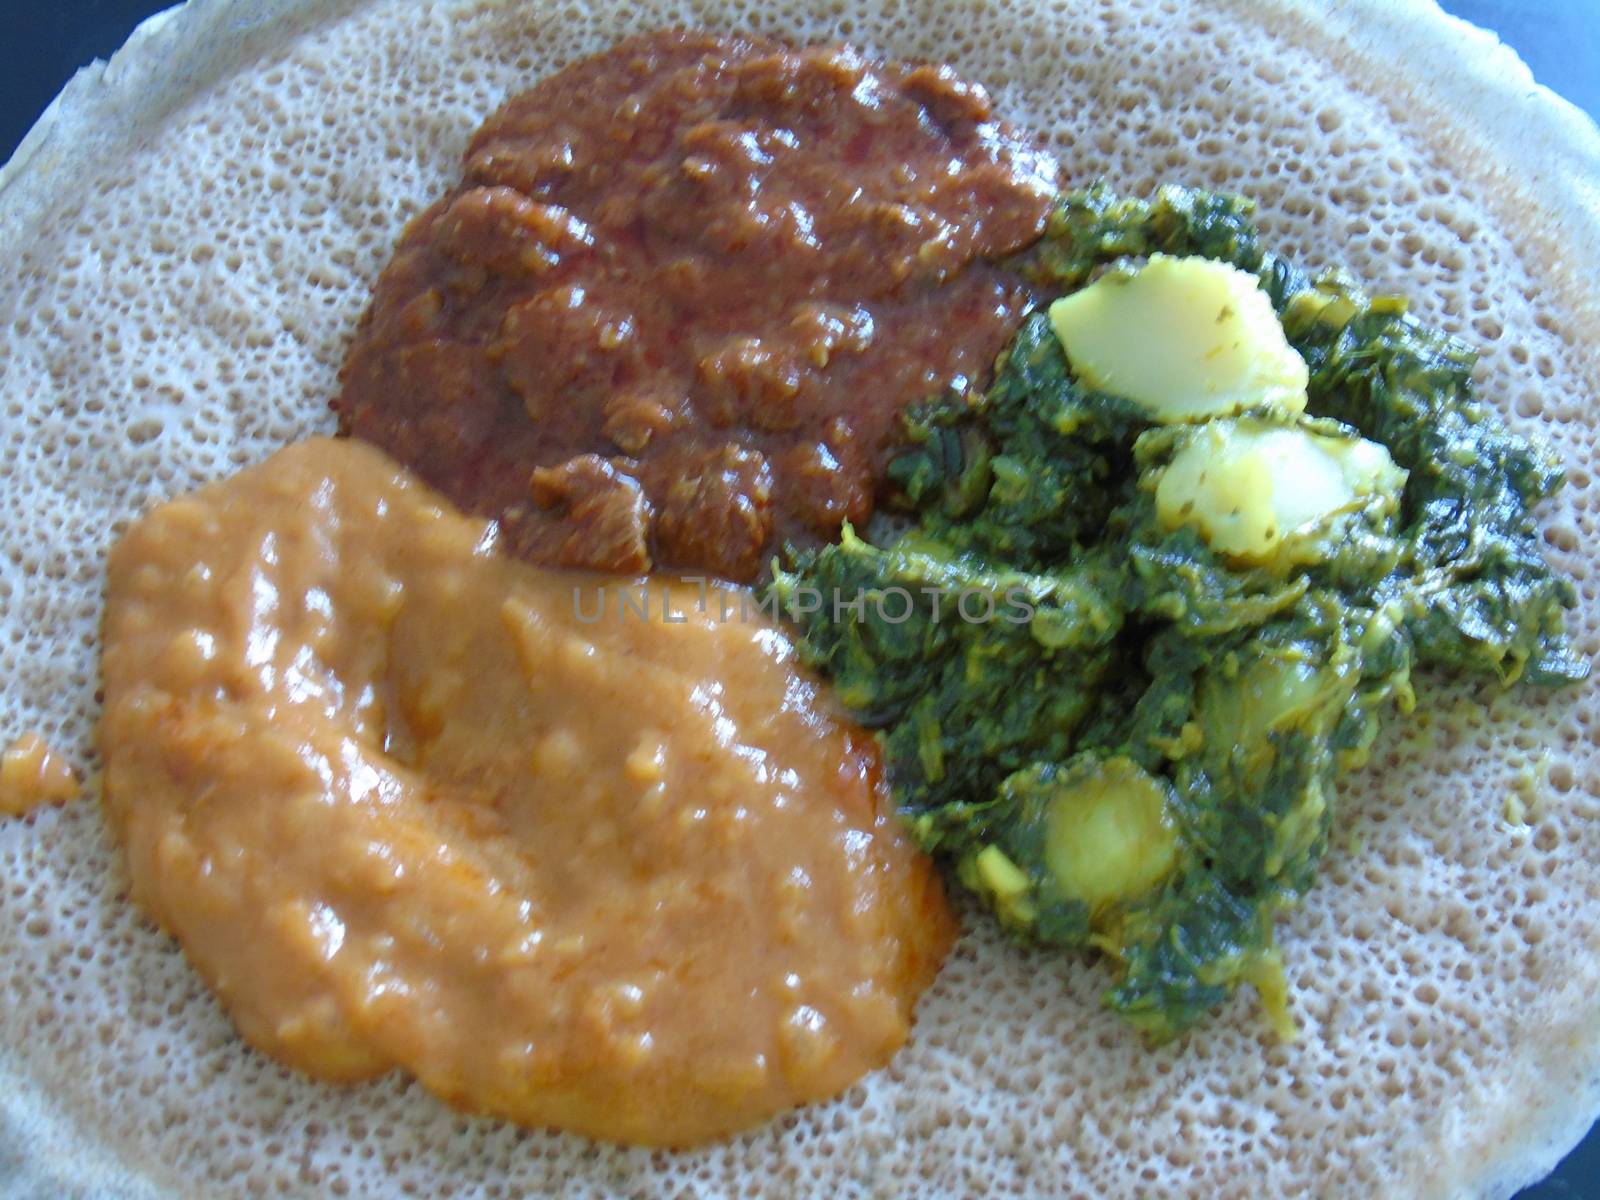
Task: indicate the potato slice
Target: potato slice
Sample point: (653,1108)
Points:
(1110,835)
(1183,338)
(1253,489)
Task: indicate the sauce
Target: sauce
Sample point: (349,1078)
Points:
(404,806)
(33,775)
(686,288)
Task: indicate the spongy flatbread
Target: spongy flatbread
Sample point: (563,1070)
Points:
(186,243)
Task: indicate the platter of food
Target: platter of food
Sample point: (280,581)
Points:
(921,600)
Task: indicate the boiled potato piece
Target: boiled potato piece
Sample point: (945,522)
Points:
(1244,710)
(1183,338)
(1252,489)
(1278,691)
(1110,835)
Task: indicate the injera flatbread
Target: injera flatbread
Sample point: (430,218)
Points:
(188,239)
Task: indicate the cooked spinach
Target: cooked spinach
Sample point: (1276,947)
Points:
(1137,750)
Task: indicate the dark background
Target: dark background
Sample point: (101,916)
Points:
(47,40)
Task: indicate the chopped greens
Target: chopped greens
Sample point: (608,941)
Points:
(1117,666)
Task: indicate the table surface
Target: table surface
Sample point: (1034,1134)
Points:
(1559,39)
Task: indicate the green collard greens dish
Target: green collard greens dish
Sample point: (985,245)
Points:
(1143,616)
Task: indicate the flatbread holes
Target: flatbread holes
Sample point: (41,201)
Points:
(195,237)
